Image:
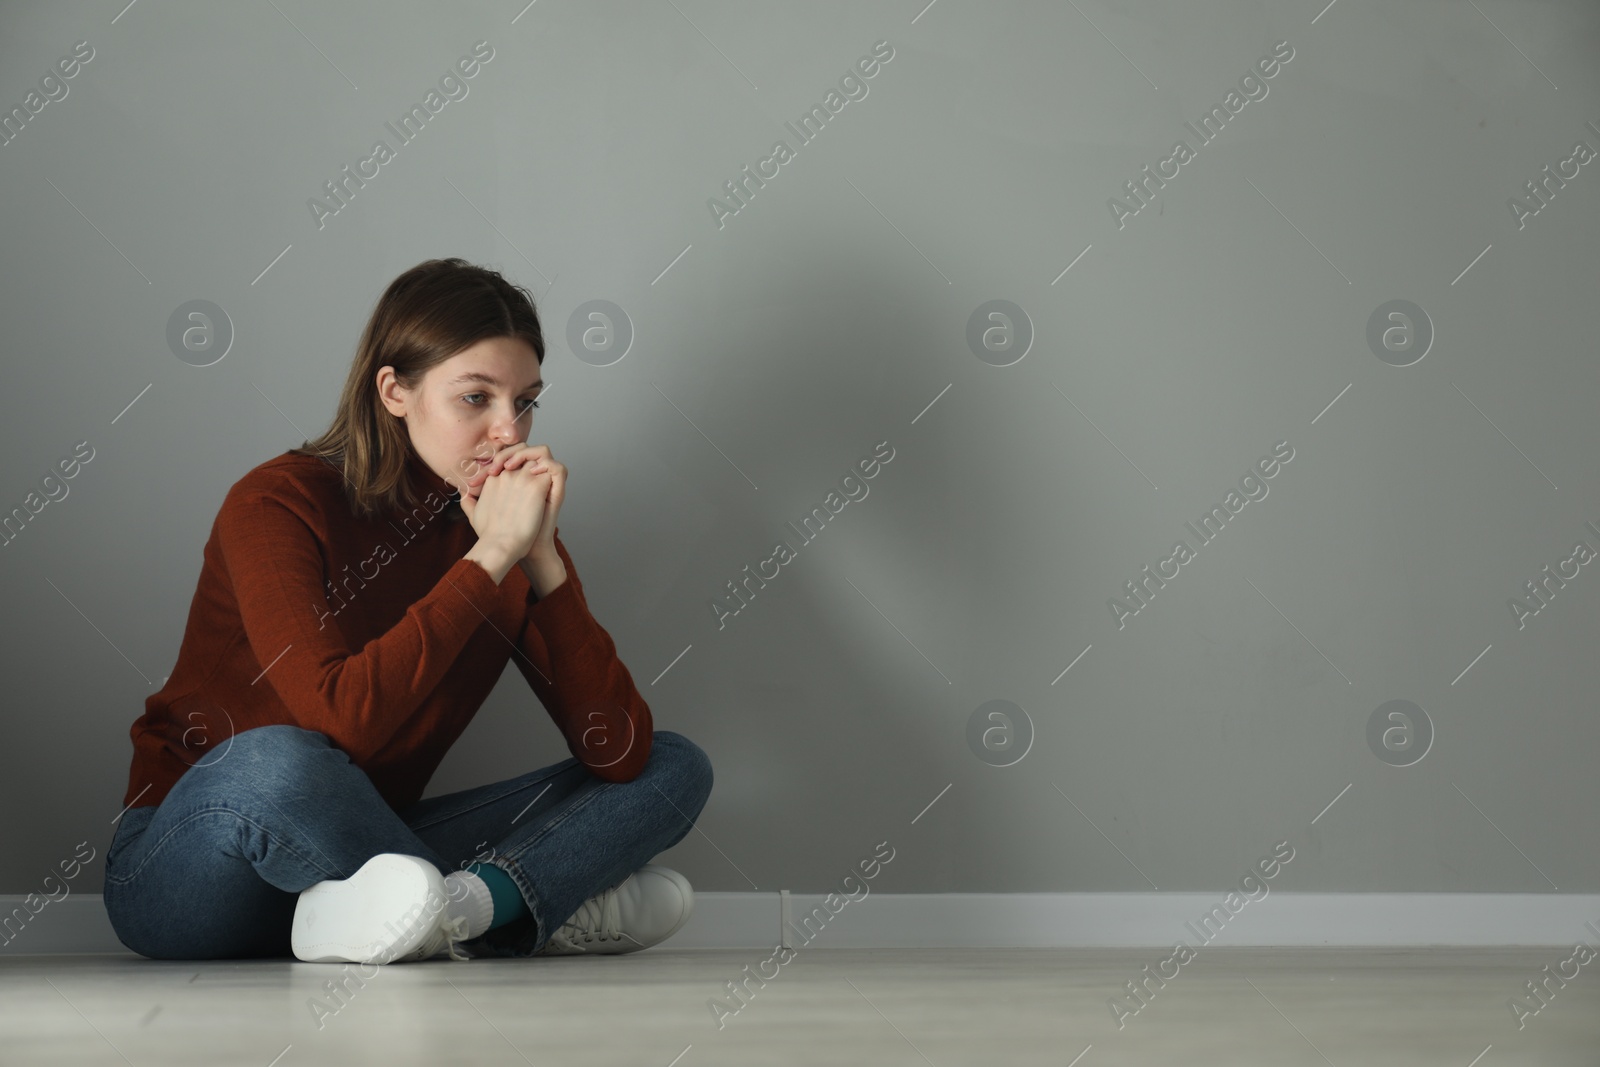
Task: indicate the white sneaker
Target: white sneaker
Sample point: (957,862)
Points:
(644,909)
(394,909)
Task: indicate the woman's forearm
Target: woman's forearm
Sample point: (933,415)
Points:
(545,575)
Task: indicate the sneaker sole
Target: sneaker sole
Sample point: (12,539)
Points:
(370,917)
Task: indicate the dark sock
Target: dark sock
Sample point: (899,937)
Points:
(508,902)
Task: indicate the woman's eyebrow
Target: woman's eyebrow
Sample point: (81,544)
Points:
(489,379)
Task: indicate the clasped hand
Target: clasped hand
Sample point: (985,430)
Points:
(515,499)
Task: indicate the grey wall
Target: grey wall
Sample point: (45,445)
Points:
(833,312)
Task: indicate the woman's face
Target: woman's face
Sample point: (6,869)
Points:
(469,407)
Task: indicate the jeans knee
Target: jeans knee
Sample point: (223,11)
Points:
(690,758)
(263,759)
(274,742)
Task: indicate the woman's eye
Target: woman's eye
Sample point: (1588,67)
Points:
(469,400)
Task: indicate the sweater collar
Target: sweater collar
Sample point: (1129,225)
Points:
(426,479)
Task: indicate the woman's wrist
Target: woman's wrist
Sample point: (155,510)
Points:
(545,573)
(492,558)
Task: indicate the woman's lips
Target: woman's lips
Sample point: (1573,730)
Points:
(478,476)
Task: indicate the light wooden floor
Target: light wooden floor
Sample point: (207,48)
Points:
(1283,1007)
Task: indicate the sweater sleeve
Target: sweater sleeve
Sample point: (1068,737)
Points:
(573,667)
(358,697)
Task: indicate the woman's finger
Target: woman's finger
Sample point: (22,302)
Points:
(515,455)
(509,457)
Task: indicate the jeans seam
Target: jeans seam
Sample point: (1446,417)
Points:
(115,849)
(480,802)
(123,880)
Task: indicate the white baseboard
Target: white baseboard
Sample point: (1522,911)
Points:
(78,924)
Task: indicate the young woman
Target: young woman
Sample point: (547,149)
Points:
(358,600)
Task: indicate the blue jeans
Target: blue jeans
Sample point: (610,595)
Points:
(214,870)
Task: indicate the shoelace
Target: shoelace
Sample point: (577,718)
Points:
(454,930)
(597,919)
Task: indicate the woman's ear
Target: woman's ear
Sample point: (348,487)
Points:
(390,392)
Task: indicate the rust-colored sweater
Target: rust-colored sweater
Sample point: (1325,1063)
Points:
(377,633)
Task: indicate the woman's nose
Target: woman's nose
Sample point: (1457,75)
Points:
(506,429)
